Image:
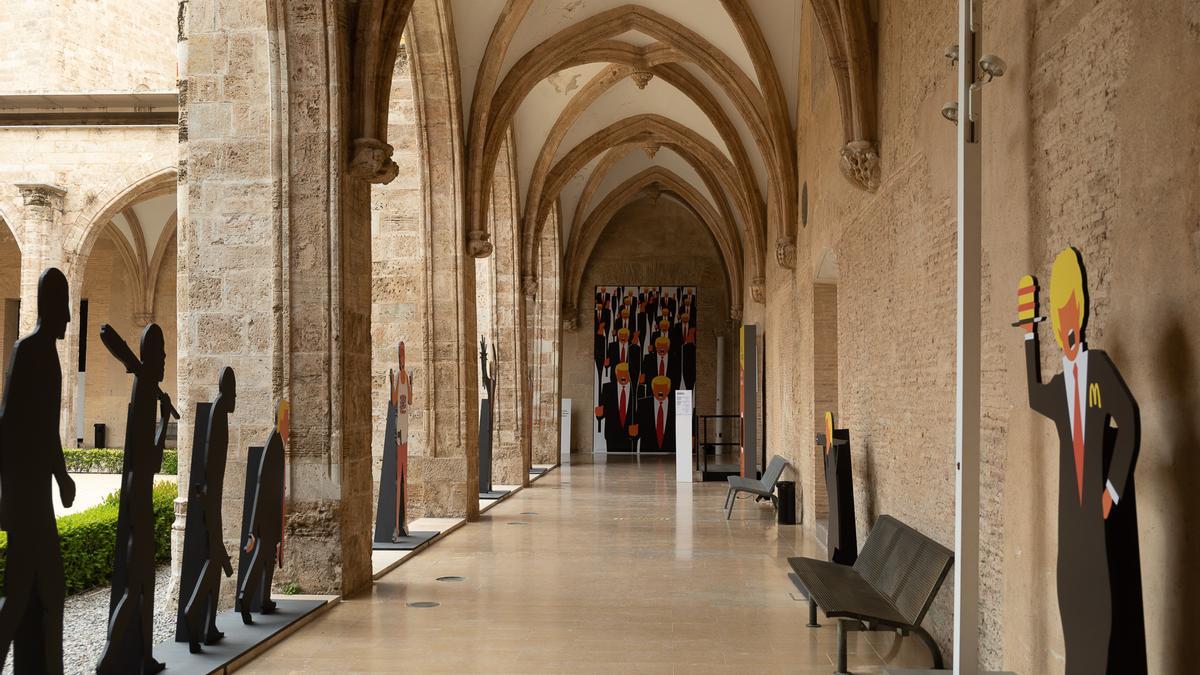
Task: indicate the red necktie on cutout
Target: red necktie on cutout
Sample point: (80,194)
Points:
(658,428)
(622,413)
(662,366)
(1077,436)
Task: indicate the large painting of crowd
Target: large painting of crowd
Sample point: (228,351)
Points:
(645,350)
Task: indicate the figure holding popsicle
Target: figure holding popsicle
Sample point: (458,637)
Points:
(1099,572)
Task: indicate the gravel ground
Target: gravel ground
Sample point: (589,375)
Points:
(85,622)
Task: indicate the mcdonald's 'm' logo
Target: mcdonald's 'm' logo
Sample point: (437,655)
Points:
(1094,395)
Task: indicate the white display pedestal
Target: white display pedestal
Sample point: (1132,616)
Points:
(564,443)
(683,436)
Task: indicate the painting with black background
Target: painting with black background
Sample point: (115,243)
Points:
(645,350)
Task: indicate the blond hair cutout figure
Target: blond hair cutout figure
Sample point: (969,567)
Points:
(1098,427)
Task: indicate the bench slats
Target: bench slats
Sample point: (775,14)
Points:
(895,578)
(842,592)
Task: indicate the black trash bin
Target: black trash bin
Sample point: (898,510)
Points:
(101,435)
(787,501)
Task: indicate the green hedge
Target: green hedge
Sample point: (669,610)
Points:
(89,538)
(109,460)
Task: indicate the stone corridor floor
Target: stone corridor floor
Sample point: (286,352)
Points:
(596,568)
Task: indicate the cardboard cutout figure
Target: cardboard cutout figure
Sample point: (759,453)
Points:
(262,521)
(1099,566)
(487,407)
(655,429)
(841,538)
(30,453)
(618,409)
(130,644)
(393,482)
(204,554)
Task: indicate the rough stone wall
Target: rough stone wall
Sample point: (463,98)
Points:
(1074,155)
(99,45)
(230,308)
(652,243)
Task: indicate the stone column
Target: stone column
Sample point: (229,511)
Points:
(43,224)
(510,445)
(444,474)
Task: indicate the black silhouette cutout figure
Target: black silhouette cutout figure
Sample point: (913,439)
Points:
(262,522)
(131,609)
(30,453)
(1099,561)
(486,416)
(204,546)
(389,513)
(841,539)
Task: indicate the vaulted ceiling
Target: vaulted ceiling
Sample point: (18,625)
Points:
(607,100)
(600,102)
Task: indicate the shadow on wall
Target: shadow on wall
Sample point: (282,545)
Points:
(867,505)
(1177,370)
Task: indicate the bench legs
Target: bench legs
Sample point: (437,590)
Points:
(730,498)
(934,651)
(842,627)
(812,613)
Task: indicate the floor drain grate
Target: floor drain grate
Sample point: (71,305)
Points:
(451,579)
(424,604)
(517,522)
(529,513)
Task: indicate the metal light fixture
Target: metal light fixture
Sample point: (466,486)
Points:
(950,111)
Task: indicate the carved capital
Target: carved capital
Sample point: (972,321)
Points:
(479,244)
(735,315)
(529,285)
(372,161)
(641,78)
(42,194)
(141,319)
(758,289)
(860,164)
(651,148)
(785,252)
(570,318)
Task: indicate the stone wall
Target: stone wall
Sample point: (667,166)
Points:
(10,294)
(100,45)
(652,243)
(1073,155)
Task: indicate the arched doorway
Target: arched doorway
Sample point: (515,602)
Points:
(128,282)
(10,294)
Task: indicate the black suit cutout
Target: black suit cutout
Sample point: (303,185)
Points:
(616,437)
(647,431)
(131,607)
(262,518)
(30,453)
(1099,567)
(841,540)
(204,554)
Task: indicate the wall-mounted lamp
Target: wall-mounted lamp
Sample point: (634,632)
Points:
(950,111)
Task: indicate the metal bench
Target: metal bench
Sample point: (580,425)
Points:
(889,588)
(763,487)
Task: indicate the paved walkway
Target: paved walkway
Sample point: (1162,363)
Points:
(596,568)
(91,489)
